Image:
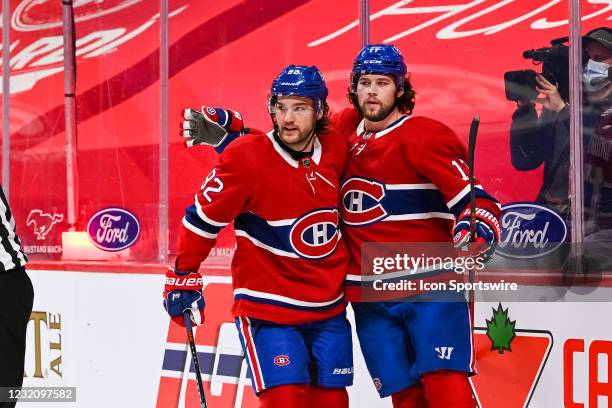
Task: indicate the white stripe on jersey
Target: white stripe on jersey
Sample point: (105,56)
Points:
(393,275)
(284,299)
(419,216)
(280,223)
(257,243)
(325,180)
(249,343)
(424,186)
(205,218)
(460,195)
(197,230)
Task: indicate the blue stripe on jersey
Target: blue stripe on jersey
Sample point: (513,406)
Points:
(397,202)
(458,208)
(273,302)
(400,202)
(257,227)
(192,217)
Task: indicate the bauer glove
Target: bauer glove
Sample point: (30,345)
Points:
(486,233)
(183,292)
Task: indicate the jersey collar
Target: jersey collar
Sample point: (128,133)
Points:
(397,123)
(316,151)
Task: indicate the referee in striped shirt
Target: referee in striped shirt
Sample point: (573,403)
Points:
(16,297)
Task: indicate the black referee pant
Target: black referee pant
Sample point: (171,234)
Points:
(16,298)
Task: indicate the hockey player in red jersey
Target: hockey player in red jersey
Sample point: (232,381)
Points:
(419,352)
(406,181)
(288,271)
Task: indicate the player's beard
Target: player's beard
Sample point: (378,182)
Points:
(378,114)
(304,136)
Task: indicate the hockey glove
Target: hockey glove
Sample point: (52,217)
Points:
(182,292)
(486,233)
(210,126)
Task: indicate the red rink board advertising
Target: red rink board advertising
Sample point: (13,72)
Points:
(225,54)
(505,355)
(227,382)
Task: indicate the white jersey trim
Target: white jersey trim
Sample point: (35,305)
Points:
(424,186)
(204,218)
(197,231)
(392,275)
(389,129)
(460,195)
(361,127)
(316,153)
(257,243)
(284,299)
(419,216)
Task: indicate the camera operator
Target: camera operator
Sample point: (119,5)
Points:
(545,139)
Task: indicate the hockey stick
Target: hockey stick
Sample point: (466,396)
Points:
(194,357)
(471,150)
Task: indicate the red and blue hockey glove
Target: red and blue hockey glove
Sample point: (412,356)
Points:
(210,126)
(486,233)
(182,292)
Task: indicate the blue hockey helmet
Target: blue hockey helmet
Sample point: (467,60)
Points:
(300,80)
(381,59)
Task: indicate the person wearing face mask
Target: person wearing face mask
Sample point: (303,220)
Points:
(544,140)
(598,122)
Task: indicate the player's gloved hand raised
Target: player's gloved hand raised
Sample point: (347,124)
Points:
(210,126)
(486,233)
(182,292)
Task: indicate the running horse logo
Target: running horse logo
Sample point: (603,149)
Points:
(43,222)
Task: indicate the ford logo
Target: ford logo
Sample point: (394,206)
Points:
(530,231)
(113,229)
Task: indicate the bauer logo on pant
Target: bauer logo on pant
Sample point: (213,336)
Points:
(113,229)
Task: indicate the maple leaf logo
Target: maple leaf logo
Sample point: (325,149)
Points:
(500,330)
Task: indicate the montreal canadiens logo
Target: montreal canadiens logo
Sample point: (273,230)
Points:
(113,229)
(361,201)
(315,235)
(530,231)
(282,360)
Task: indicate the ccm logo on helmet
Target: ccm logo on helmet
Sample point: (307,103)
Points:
(315,235)
(282,360)
(361,201)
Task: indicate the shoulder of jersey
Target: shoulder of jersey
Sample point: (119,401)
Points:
(345,121)
(251,144)
(332,139)
(425,121)
(424,127)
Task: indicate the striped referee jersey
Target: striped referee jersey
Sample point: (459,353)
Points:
(11,254)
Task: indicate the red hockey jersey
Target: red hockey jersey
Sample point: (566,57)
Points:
(290,263)
(406,183)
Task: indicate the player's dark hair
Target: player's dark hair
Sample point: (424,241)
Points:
(322,125)
(405,103)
